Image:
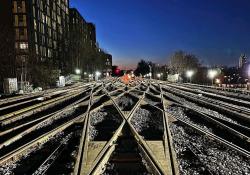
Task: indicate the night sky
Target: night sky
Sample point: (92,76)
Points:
(217,31)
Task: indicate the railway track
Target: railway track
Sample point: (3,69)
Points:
(236,112)
(21,98)
(27,108)
(234,93)
(124,129)
(226,99)
(14,129)
(192,136)
(238,126)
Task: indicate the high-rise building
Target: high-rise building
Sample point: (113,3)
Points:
(242,61)
(108,64)
(46,37)
(91,34)
(83,46)
(78,39)
(32,32)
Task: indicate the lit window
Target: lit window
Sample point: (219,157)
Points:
(23,45)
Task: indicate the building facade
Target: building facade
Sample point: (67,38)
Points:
(85,53)
(108,64)
(38,31)
(242,61)
(91,34)
(46,34)
(7,42)
(78,39)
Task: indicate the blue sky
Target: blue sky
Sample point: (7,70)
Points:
(217,31)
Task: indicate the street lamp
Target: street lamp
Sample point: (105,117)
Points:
(217,81)
(211,74)
(78,71)
(189,74)
(97,74)
(150,75)
(150,71)
(159,75)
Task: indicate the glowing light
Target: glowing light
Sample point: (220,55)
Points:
(217,81)
(117,71)
(97,73)
(78,71)
(212,73)
(189,73)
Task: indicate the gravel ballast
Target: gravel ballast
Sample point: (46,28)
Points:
(215,156)
(148,122)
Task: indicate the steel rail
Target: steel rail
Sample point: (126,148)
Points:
(213,136)
(15,154)
(15,116)
(218,107)
(218,97)
(53,117)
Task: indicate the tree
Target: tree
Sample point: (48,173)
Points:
(143,68)
(44,75)
(180,62)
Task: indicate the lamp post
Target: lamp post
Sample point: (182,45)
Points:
(189,74)
(217,81)
(150,71)
(211,74)
(159,75)
(97,74)
(150,75)
(78,71)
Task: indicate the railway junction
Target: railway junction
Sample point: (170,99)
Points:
(143,127)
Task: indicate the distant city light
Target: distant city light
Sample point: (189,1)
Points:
(212,73)
(190,73)
(133,75)
(97,73)
(78,71)
(217,81)
(117,71)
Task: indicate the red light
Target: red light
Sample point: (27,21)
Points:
(117,71)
